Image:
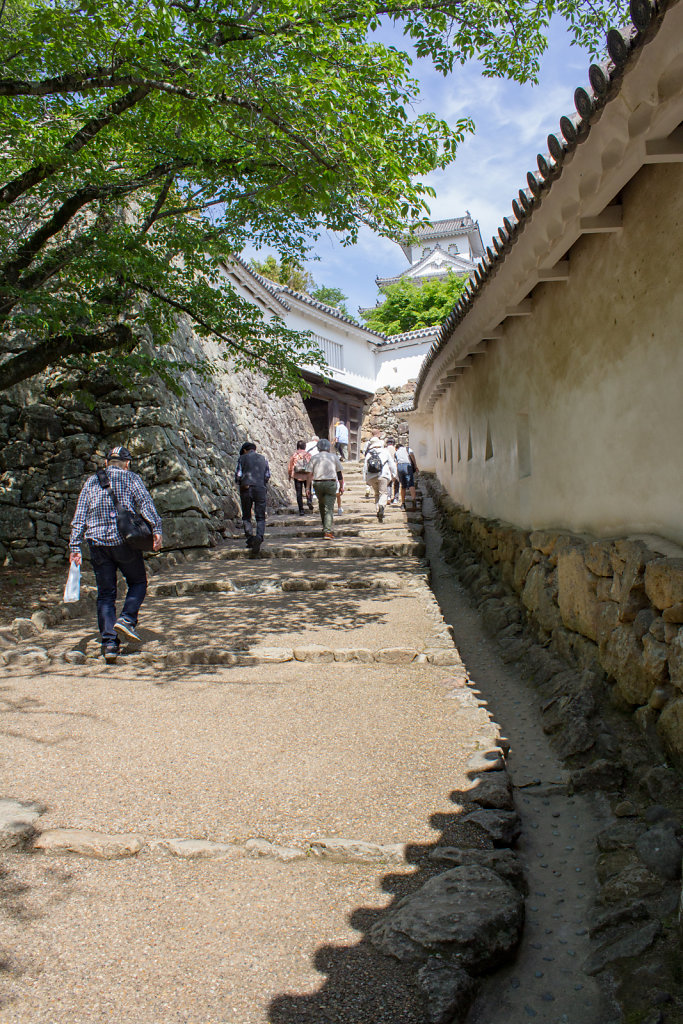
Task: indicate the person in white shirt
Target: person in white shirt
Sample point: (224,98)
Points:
(378,469)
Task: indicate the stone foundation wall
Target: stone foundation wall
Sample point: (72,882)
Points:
(610,607)
(184,447)
(380,416)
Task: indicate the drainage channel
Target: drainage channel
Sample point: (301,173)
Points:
(547,983)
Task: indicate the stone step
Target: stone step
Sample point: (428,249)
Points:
(328,549)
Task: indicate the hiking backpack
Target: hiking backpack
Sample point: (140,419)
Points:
(374,462)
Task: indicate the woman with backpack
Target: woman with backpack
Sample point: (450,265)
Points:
(300,473)
(379,468)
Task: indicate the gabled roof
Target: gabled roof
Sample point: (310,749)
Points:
(468,266)
(448,228)
(575,155)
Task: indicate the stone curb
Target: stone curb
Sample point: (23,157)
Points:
(106,846)
(36,656)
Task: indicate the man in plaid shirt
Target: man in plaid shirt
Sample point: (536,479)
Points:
(95,520)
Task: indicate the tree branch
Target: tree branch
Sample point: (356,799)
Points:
(10,192)
(51,350)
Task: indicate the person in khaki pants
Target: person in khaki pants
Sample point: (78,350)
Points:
(326,468)
(379,469)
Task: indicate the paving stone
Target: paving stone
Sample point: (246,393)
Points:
(396,655)
(444,657)
(264,848)
(362,654)
(313,653)
(196,849)
(88,844)
(18,822)
(357,851)
(267,656)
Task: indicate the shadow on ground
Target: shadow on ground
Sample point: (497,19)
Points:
(363,986)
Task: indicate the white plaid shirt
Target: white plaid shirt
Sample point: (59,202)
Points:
(95,515)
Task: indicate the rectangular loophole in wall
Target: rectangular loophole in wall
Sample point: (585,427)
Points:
(451,455)
(523,446)
(459,452)
(488,452)
(469,445)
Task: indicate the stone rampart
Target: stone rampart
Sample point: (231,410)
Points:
(185,448)
(381,416)
(611,607)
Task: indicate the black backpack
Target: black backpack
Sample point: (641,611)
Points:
(134,529)
(374,462)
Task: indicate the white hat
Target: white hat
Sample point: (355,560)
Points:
(375,442)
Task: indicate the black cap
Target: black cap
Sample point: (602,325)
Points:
(120,453)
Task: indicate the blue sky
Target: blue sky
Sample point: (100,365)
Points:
(512,123)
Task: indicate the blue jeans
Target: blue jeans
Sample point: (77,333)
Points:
(105,562)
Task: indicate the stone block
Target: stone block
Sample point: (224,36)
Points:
(622,658)
(643,622)
(597,558)
(17,822)
(664,582)
(537,597)
(362,654)
(674,613)
(17,455)
(186,532)
(314,653)
(523,564)
(469,916)
(544,541)
(15,524)
(180,496)
(670,730)
(88,844)
(396,655)
(117,417)
(40,423)
(676,660)
(446,657)
(576,595)
(655,658)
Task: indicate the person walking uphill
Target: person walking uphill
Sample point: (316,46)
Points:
(327,469)
(252,474)
(379,469)
(341,440)
(298,471)
(95,520)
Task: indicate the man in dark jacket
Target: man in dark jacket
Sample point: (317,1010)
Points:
(252,474)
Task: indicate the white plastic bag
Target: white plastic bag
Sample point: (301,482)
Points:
(72,590)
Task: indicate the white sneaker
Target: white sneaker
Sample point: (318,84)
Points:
(339,511)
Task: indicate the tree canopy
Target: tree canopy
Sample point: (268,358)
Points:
(146,142)
(293,274)
(290,273)
(410,304)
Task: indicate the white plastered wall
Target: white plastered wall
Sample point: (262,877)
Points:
(583,399)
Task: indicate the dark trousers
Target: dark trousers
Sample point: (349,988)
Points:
(300,486)
(105,562)
(254,497)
